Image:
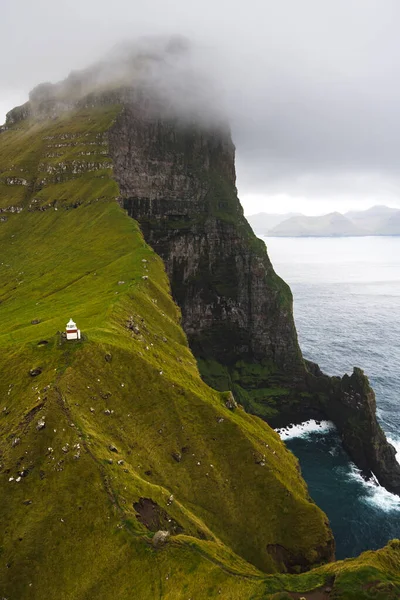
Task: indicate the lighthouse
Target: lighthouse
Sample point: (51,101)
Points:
(73,333)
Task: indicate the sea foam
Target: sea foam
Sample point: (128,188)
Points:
(305,429)
(396,444)
(375,494)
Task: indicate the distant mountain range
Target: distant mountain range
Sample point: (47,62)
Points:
(378,220)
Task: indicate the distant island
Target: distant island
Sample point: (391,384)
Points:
(378,220)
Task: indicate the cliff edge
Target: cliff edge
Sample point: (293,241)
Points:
(174,162)
(179,184)
(125,473)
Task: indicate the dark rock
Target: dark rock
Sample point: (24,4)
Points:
(154,517)
(27,502)
(235,309)
(232,302)
(35,372)
(296,562)
(16,441)
(35,321)
(350,403)
(19,113)
(313,368)
(112,448)
(177,456)
(108,357)
(132,326)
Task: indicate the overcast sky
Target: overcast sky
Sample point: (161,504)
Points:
(312,87)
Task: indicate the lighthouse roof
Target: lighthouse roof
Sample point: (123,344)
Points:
(71,324)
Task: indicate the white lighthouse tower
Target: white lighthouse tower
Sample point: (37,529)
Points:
(73,333)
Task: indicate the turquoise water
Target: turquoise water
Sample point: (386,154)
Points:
(347,312)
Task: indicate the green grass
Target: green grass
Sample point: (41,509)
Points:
(69,527)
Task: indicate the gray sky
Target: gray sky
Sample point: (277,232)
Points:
(312,87)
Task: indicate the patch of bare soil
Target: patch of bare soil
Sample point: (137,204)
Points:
(155,518)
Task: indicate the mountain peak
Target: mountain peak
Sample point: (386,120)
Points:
(165,75)
(377,220)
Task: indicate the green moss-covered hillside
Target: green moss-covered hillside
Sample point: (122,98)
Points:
(106,441)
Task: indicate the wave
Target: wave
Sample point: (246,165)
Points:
(305,429)
(396,444)
(375,494)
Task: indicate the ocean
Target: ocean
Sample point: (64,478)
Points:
(347,312)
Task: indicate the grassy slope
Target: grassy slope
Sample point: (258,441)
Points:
(69,526)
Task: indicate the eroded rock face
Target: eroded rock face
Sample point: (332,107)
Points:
(178,181)
(17,114)
(350,403)
(177,178)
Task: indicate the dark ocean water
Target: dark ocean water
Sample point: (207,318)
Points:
(347,312)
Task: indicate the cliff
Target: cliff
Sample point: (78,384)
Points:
(350,403)
(178,181)
(175,168)
(126,474)
(106,442)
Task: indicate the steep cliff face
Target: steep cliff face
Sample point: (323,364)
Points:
(179,183)
(178,180)
(109,440)
(350,403)
(107,443)
(176,176)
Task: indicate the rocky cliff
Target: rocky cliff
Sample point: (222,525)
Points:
(176,175)
(350,403)
(178,180)
(126,475)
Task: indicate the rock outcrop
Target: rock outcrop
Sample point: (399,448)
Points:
(350,403)
(178,181)
(190,467)
(176,176)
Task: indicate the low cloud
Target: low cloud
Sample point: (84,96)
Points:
(311,89)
